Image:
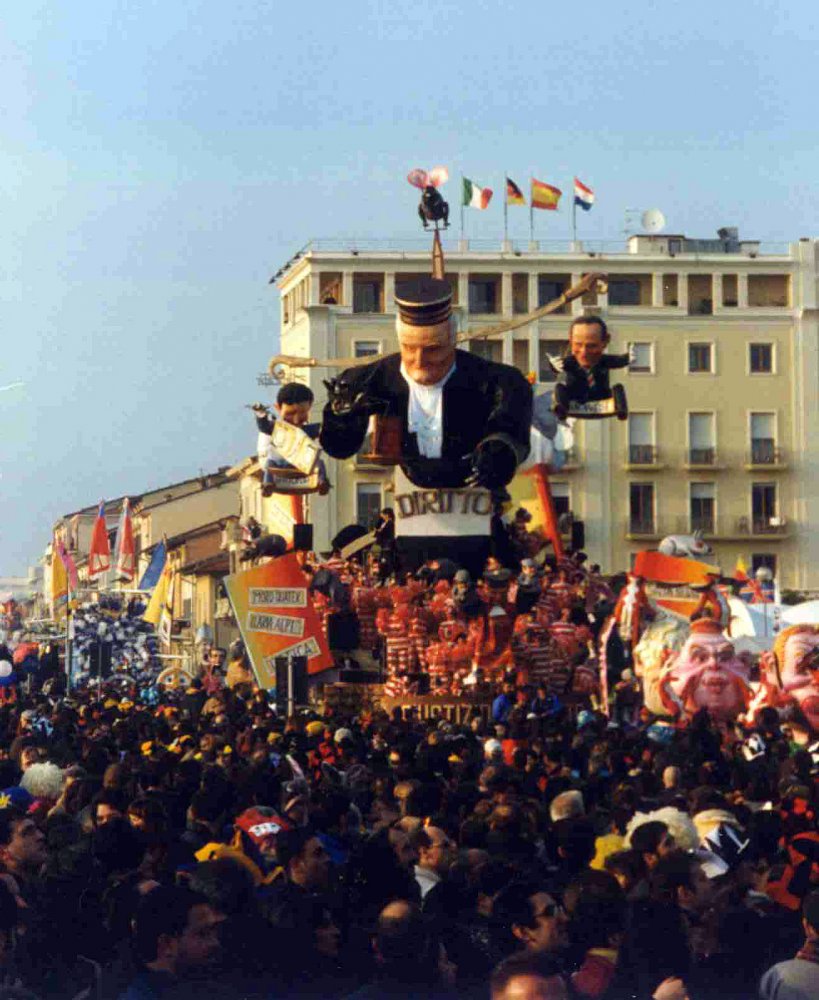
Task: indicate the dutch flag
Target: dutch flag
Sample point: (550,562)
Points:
(583,196)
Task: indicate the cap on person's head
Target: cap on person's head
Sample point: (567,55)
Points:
(462,576)
(423,301)
(342,734)
(16,796)
(627,675)
(528,564)
(260,823)
(314,728)
(492,747)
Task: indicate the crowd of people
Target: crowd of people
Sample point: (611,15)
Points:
(161,843)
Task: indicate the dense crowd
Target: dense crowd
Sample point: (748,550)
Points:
(160,843)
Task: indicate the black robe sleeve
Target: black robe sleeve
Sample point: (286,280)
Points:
(510,419)
(615,360)
(342,435)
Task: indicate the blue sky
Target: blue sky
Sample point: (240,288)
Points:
(161,160)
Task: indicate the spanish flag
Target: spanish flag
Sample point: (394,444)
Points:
(545,196)
(514,195)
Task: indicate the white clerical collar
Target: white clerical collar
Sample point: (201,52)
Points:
(425,413)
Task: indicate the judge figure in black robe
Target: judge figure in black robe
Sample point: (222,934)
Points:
(465,421)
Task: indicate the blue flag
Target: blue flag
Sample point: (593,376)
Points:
(152,574)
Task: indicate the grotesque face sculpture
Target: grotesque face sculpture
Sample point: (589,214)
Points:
(796,653)
(707,673)
(660,641)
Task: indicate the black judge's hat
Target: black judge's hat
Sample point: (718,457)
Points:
(423,301)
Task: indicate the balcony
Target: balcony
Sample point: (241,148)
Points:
(642,456)
(728,528)
(643,529)
(766,455)
(702,458)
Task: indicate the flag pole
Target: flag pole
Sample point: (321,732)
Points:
(462,207)
(574,215)
(531,213)
(505,210)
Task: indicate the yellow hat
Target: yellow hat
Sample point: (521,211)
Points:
(314,728)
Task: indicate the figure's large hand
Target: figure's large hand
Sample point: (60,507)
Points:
(493,464)
(345,400)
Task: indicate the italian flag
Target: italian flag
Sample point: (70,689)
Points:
(473,196)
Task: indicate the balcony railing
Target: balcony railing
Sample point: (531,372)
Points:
(765,453)
(769,525)
(733,527)
(642,526)
(702,456)
(642,454)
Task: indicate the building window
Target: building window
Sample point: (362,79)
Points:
(641,450)
(764,507)
(366,348)
(549,288)
(483,295)
(624,292)
(641,508)
(330,283)
(763,438)
(490,350)
(367,504)
(643,358)
(702,504)
(769,290)
(367,294)
(561,498)
(730,293)
(760,360)
(700,358)
(671,293)
(556,349)
(700,295)
(763,560)
(702,448)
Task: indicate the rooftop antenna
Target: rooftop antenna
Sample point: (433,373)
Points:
(653,221)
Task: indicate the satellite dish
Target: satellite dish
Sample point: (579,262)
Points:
(653,221)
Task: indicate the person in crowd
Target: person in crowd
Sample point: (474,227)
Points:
(350,850)
(435,858)
(527,918)
(797,978)
(176,938)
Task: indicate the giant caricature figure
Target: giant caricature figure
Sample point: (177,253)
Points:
(706,673)
(583,373)
(464,427)
(791,677)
